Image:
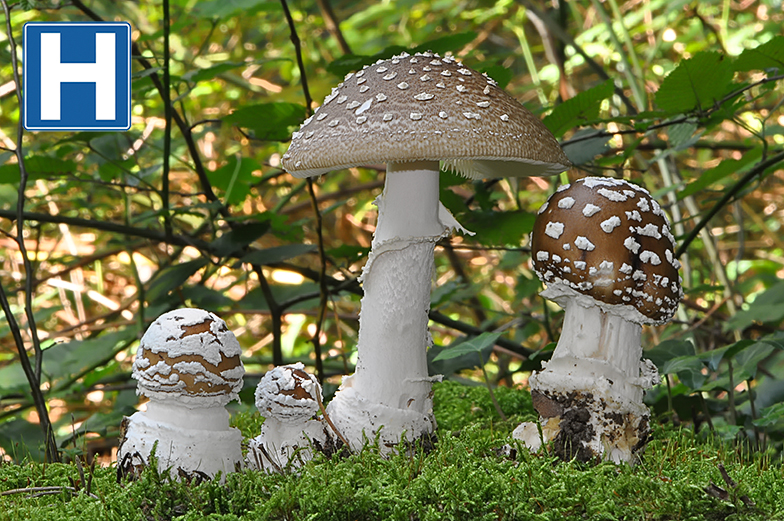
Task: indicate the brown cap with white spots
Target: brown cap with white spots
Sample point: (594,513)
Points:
(608,239)
(424,108)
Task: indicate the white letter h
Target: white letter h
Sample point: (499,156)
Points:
(53,73)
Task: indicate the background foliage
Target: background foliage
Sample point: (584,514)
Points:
(190,207)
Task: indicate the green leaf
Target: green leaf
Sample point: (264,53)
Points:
(278,254)
(770,416)
(696,83)
(726,168)
(768,307)
(578,110)
(499,228)
(22,439)
(499,73)
(37,167)
(585,145)
(668,350)
(769,55)
(241,236)
(750,357)
(173,277)
(209,73)
(64,361)
(235,178)
(354,62)
(475,345)
(268,121)
(226,8)
(688,369)
(445,44)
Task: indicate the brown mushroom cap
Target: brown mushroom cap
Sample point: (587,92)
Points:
(191,356)
(608,239)
(424,108)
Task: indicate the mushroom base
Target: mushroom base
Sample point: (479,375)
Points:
(584,426)
(361,421)
(284,445)
(184,452)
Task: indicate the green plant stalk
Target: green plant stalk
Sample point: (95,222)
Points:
(517,29)
(630,55)
(490,388)
(639,98)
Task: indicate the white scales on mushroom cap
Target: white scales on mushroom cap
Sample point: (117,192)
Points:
(424,108)
(615,245)
(190,356)
(288,398)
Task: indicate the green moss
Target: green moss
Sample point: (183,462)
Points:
(467,476)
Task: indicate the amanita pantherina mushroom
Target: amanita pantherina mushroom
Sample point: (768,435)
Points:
(411,112)
(188,364)
(288,399)
(604,249)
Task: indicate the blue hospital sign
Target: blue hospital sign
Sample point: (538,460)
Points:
(77,76)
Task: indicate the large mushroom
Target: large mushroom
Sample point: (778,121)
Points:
(604,249)
(411,112)
(188,364)
(288,398)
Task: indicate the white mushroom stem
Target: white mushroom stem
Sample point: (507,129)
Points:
(202,418)
(279,442)
(598,349)
(391,370)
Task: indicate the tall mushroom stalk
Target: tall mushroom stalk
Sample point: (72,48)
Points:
(604,248)
(411,112)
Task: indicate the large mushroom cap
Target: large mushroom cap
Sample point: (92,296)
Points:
(609,240)
(288,393)
(424,108)
(190,356)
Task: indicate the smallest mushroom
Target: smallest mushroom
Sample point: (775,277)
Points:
(288,398)
(188,364)
(604,249)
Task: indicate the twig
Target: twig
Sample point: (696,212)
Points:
(276,313)
(167,111)
(323,289)
(43,491)
(329,421)
(33,374)
(727,197)
(331,22)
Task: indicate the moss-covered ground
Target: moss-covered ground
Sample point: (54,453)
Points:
(467,476)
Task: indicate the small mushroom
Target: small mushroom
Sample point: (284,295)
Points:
(288,399)
(411,112)
(604,249)
(188,364)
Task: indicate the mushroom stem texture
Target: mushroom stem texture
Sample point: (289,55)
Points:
(390,387)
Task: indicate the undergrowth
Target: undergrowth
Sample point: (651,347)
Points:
(470,475)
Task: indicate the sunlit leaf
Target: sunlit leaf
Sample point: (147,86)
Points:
(278,254)
(499,228)
(226,8)
(724,169)
(172,278)
(268,121)
(475,345)
(768,307)
(696,83)
(37,167)
(582,108)
(769,55)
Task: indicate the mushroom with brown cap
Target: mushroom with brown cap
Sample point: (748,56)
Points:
(288,398)
(410,112)
(605,251)
(188,364)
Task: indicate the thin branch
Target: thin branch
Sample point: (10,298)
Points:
(33,374)
(333,26)
(726,198)
(324,291)
(167,108)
